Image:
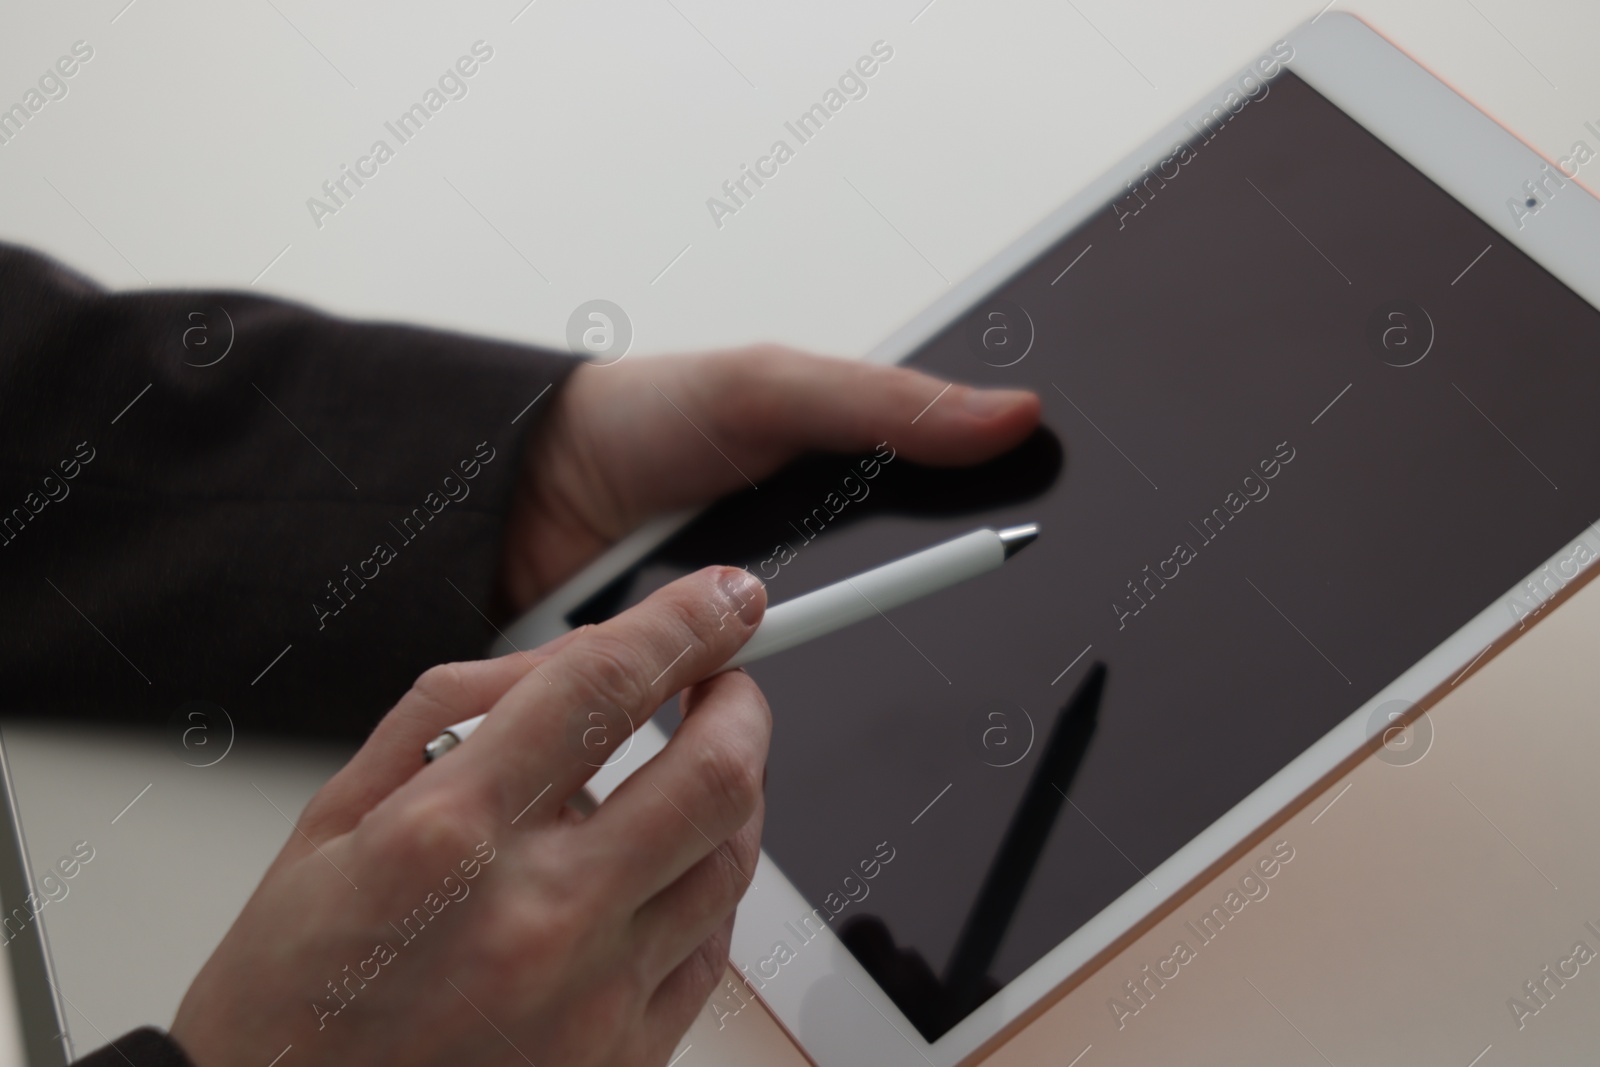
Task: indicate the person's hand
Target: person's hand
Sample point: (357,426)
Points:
(642,437)
(457,913)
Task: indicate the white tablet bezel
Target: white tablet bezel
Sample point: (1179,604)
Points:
(821,995)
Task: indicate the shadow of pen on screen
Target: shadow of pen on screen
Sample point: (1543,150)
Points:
(932,1003)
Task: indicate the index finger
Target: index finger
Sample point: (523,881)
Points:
(445,694)
(621,670)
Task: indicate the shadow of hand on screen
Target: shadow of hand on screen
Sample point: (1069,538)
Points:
(829,492)
(934,1004)
(822,493)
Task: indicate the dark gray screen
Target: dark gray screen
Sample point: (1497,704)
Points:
(1195,348)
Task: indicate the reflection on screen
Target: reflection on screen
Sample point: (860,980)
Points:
(1290,446)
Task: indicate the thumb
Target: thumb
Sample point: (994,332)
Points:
(789,401)
(442,696)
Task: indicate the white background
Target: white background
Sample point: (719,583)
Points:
(187,147)
(591,141)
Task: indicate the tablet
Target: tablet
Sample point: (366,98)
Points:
(32,1025)
(1319,367)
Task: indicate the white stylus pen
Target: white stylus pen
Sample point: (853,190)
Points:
(833,607)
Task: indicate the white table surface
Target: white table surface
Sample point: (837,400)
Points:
(578,167)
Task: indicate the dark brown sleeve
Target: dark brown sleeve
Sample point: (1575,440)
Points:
(212,496)
(144,1047)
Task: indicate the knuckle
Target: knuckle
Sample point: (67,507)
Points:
(728,883)
(738,691)
(544,928)
(730,779)
(756,379)
(436,826)
(440,684)
(733,866)
(534,940)
(712,959)
(614,670)
(750,694)
(702,972)
(745,847)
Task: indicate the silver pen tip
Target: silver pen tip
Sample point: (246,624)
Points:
(439,746)
(1017,538)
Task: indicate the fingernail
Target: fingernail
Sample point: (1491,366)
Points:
(746,592)
(987,403)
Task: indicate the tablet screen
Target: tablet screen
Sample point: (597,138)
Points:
(1304,417)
